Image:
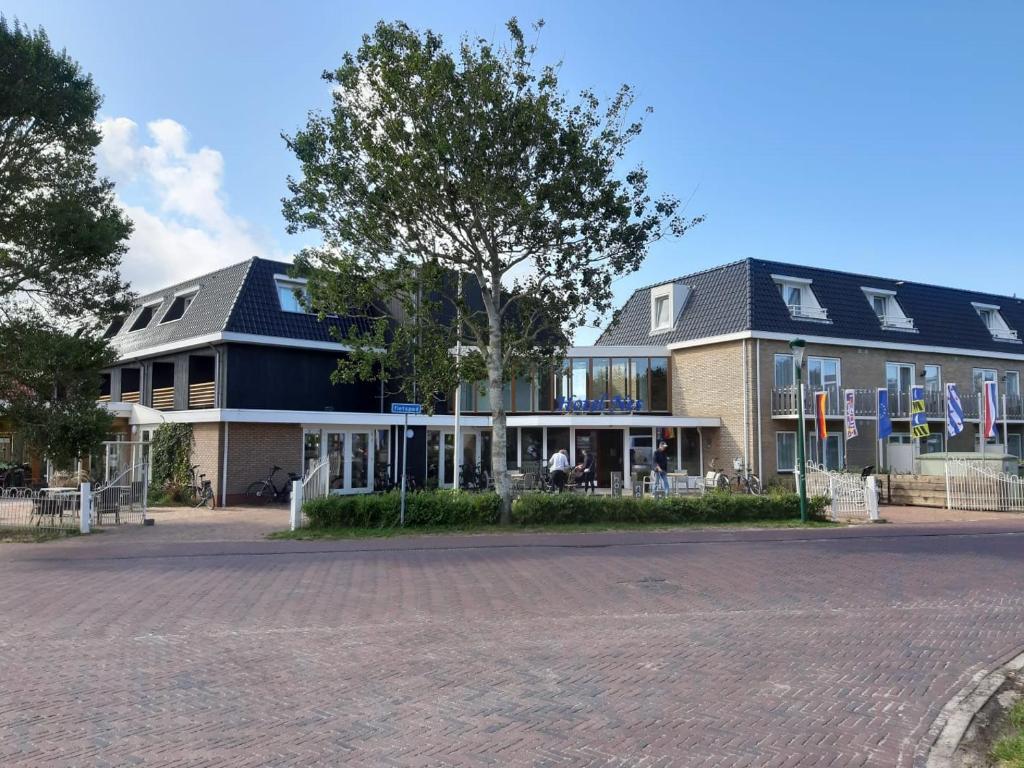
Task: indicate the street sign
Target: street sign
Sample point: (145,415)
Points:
(407,408)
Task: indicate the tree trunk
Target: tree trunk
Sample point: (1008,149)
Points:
(495,386)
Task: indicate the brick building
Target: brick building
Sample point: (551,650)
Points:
(700,362)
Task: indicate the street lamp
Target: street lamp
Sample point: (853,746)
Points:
(797,346)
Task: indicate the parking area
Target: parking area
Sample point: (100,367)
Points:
(196,644)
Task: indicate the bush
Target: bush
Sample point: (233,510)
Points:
(451,509)
(422,509)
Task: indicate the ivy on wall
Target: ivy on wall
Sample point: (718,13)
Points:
(171,454)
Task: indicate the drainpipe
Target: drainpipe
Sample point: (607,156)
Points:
(746,409)
(760,441)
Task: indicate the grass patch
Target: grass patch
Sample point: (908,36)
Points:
(1008,752)
(306,534)
(34,535)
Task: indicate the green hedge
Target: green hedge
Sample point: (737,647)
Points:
(423,508)
(451,509)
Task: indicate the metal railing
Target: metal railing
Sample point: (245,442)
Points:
(45,508)
(786,402)
(850,496)
(123,499)
(806,312)
(201,395)
(897,322)
(970,485)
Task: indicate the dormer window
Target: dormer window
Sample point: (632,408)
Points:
(667,303)
(993,320)
(888,310)
(115,327)
(292,293)
(144,317)
(178,307)
(800,299)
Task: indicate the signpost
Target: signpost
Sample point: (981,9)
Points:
(405,409)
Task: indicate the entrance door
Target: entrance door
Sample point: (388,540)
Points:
(900,453)
(349,458)
(606,446)
(441,454)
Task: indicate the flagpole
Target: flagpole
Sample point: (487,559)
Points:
(1006,431)
(982,437)
(878,436)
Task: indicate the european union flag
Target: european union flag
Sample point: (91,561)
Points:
(884,420)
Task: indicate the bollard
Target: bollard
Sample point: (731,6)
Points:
(296,508)
(85,507)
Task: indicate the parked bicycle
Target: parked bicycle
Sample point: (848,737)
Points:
(744,480)
(267,490)
(199,492)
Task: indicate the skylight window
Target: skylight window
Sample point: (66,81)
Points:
(993,320)
(799,298)
(178,308)
(888,310)
(292,294)
(144,318)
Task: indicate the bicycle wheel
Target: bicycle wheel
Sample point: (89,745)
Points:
(205,497)
(188,495)
(722,482)
(754,485)
(259,490)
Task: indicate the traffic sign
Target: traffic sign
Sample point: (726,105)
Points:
(407,408)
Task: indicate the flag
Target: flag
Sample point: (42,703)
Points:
(820,401)
(884,420)
(918,415)
(954,412)
(851,414)
(991,409)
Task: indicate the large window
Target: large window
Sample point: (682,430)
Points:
(823,376)
(659,384)
(899,377)
(639,380)
(599,378)
(619,375)
(785,451)
(980,375)
(1012,387)
(933,379)
(784,371)
(292,294)
(580,374)
(524,394)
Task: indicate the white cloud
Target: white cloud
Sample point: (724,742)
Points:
(183,227)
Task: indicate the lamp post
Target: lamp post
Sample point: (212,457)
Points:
(797,346)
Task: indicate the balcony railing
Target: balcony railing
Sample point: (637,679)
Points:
(805,312)
(785,402)
(896,322)
(201,395)
(163,398)
(129,397)
(103,398)
(1005,334)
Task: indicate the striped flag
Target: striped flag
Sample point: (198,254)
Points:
(954,411)
(991,410)
(820,401)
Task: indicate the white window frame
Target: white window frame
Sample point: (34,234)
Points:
(778,453)
(664,300)
(1015,376)
(775,370)
(190,294)
(809,307)
(894,318)
(346,459)
(985,377)
(154,305)
(674,294)
(998,328)
(292,284)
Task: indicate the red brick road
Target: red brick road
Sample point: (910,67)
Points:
(763,648)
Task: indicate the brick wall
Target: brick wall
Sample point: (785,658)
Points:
(208,453)
(254,448)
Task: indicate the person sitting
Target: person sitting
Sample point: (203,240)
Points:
(588,472)
(559,469)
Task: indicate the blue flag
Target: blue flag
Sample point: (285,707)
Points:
(884,420)
(954,411)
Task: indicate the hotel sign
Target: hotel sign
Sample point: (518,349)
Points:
(598,405)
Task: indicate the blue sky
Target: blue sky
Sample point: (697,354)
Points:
(876,137)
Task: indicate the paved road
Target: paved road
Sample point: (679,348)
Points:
(760,648)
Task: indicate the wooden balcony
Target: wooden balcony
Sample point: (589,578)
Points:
(163,398)
(103,399)
(202,395)
(129,397)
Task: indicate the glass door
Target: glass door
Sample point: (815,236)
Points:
(823,376)
(899,378)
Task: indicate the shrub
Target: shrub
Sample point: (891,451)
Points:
(717,507)
(422,509)
(171,456)
(451,509)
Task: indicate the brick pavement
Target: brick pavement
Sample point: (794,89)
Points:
(756,648)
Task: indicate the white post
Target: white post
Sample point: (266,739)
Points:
(1006,429)
(949,495)
(295,515)
(405,465)
(457,447)
(145,492)
(982,437)
(85,507)
(871,496)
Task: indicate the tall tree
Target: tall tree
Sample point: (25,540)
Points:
(435,164)
(62,234)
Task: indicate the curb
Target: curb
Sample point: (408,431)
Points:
(949,727)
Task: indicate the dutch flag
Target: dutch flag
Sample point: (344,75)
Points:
(991,409)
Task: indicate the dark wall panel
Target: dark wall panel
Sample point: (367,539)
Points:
(293,380)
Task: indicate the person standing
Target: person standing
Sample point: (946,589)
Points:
(559,468)
(661,468)
(589,472)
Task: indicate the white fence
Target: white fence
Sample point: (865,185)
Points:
(315,484)
(851,496)
(972,486)
(54,509)
(122,499)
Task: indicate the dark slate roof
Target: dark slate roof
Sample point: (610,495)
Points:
(743,296)
(717,304)
(241,298)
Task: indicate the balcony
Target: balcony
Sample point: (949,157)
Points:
(202,395)
(897,323)
(786,400)
(163,398)
(807,312)
(785,403)
(130,397)
(1005,334)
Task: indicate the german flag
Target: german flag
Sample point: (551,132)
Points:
(820,402)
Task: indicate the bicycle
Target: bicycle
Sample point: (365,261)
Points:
(746,480)
(267,490)
(199,492)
